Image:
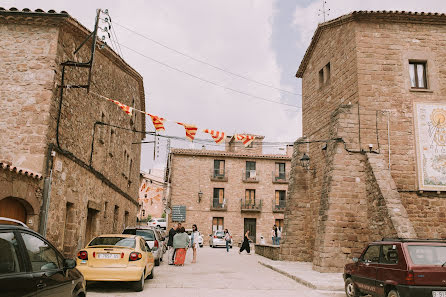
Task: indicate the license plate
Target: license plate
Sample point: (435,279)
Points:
(438,293)
(111,256)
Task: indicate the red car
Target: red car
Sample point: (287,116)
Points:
(398,268)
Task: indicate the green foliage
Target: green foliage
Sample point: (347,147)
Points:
(163,215)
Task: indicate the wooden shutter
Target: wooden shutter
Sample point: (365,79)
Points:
(220,195)
(221,168)
(277,197)
(277,169)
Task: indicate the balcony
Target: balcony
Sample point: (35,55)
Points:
(217,175)
(279,207)
(216,205)
(280,177)
(250,176)
(251,206)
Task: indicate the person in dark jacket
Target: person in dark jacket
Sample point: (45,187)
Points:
(171,250)
(245,244)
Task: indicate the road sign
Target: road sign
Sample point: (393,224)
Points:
(178,213)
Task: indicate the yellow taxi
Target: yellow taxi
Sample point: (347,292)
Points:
(117,257)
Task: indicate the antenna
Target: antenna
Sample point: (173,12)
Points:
(324,11)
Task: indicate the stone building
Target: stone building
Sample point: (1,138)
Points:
(237,189)
(151,194)
(68,177)
(374,89)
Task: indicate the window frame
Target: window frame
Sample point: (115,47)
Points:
(217,171)
(381,255)
(365,252)
(416,63)
(24,264)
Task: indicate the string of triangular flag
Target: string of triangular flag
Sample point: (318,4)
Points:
(191,130)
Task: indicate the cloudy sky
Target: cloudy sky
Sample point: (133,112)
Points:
(261,40)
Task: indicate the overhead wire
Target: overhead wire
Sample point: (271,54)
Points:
(206,63)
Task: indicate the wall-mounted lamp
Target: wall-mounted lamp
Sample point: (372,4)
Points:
(305,163)
(200,195)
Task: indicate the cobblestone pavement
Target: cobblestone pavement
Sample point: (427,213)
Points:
(216,273)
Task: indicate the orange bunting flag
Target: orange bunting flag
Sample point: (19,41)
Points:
(218,136)
(191,130)
(128,110)
(143,187)
(246,139)
(158,122)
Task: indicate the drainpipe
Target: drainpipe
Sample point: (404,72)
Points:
(46,191)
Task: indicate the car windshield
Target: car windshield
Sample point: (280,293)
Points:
(115,241)
(220,234)
(427,254)
(146,234)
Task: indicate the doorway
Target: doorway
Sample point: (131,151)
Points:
(250,224)
(90,229)
(13,209)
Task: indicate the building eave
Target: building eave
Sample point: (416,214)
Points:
(207,153)
(21,171)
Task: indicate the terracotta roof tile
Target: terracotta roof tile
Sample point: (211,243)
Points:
(19,170)
(211,153)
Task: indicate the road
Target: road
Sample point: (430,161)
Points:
(216,273)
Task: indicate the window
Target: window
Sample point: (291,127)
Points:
(115,241)
(42,256)
(279,224)
(130,168)
(250,169)
(280,171)
(126,219)
(280,198)
(390,254)
(371,255)
(250,197)
(105,209)
(112,141)
(115,219)
(9,251)
(219,197)
(217,224)
(427,254)
(219,168)
(324,75)
(417,73)
(102,129)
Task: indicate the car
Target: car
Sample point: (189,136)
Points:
(31,266)
(152,238)
(218,239)
(200,237)
(117,257)
(398,267)
(162,239)
(160,223)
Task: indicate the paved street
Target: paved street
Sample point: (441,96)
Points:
(216,274)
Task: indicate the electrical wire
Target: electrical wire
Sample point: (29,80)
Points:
(206,63)
(208,81)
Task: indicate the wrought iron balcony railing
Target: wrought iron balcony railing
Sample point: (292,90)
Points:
(251,205)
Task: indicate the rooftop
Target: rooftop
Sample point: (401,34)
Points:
(19,170)
(212,153)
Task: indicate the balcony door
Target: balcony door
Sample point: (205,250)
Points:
(219,168)
(250,197)
(250,169)
(280,198)
(280,171)
(219,197)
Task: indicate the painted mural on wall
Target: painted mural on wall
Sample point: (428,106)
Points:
(430,121)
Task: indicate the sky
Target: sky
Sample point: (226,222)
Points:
(262,40)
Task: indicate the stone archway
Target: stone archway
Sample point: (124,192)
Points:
(15,208)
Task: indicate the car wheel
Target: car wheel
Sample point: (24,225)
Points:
(139,285)
(150,276)
(393,293)
(157,262)
(161,259)
(350,288)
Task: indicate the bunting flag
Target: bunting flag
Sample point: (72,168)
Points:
(143,187)
(246,139)
(128,110)
(191,130)
(158,122)
(218,136)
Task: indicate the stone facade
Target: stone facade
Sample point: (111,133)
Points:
(94,184)
(364,185)
(151,194)
(192,172)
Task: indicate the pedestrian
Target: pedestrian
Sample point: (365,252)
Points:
(171,249)
(228,239)
(245,244)
(181,242)
(279,235)
(194,242)
(273,235)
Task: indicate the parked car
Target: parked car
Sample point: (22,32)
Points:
(152,238)
(117,257)
(200,238)
(218,239)
(31,266)
(160,223)
(398,267)
(162,241)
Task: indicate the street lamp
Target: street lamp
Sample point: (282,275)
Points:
(305,161)
(200,195)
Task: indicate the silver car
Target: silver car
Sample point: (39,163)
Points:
(152,238)
(218,239)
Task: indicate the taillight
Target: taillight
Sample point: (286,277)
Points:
(135,256)
(122,255)
(156,244)
(410,278)
(94,254)
(83,255)
(215,236)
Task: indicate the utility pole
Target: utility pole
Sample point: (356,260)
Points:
(324,11)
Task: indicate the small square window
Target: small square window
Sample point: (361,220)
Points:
(417,73)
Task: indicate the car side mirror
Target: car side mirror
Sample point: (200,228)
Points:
(69,263)
(355,260)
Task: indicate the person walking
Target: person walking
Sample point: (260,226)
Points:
(181,242)
(273,235)
(279,235)
(194,242)
(227,239)
(245,244)
(170,249)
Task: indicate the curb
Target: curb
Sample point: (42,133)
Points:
(298,279)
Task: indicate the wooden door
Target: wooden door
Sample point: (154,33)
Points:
(13,209)
(250,224)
